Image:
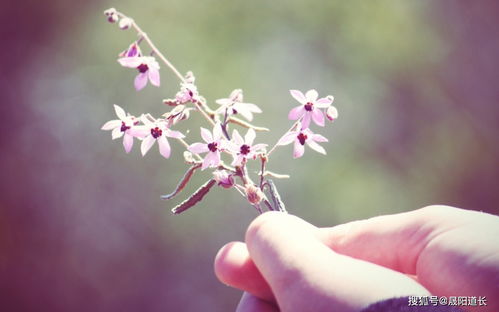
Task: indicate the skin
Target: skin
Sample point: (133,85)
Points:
(287,264)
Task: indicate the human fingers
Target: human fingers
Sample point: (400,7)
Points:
(234,267)
(450,250)
(306,275)
(250,303)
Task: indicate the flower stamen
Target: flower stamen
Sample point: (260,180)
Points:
(245,149)
(156,132)
(143,68)
(213,147)
(302,138)
(309,106)
(124,127)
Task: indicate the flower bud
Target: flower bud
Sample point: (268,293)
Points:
(109,12)
(331,113)
(253,194)
(188,157)
(189,77)
(125,23)
(223,179)
(113,18)
(185,114)
(237,95)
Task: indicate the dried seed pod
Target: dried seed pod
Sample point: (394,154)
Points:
(125,23)
(223,178)
(253,194)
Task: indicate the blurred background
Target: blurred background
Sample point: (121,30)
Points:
(82,227)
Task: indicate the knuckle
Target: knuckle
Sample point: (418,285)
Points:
(263,224)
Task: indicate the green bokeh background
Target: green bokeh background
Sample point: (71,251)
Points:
(413,83)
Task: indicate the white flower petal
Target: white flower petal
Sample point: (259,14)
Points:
(244,111)
(287,138)
(298,95)
(111,124)
(117,133)
(237,160)
(316,147)
(206,135)
(319,138)
(298,150)
(311,95)
(198,148)
(236,95)
(318,117)
(146,145)
(210,159)
(174,134)
(153,74)
(223,102)
(217,132)
(139,131)
(307,117)
(131,62)
(127,142)
(258,148)
(120,112)
(252,107)
(164,147)
(250,136)
(296,113)
(215,159)
(140,81)
(323,102)
(237,138)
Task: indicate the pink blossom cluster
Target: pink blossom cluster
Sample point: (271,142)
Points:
(217,143)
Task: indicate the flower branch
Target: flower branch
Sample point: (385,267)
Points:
(218,142)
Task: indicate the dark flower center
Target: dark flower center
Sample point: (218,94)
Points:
(143,68)
(234,111)
(213,146)
(309,106)
(245,149)
(302,138)
(156,132)
(124,127)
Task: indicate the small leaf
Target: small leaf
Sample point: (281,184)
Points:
(194,198)
(183,182)
(275,196)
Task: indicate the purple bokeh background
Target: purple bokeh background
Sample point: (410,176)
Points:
(70,240)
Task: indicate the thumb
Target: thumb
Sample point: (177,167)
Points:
(306,275)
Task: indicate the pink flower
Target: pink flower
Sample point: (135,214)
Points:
(300,138)
(122,127)
(309,109)
(214,144)
(156,131)
(243,149)
(133,50)
(148,69)
(188,93)
(188,90)
(234,105)
(223,178)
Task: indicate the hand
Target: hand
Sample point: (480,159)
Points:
(288,264)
